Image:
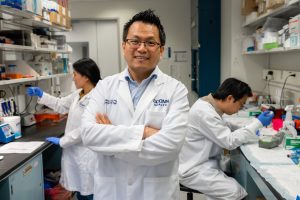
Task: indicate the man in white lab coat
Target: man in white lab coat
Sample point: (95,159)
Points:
(208,134)
(143,120)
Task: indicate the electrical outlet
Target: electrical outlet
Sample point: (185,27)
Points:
(271,74)
(293,80)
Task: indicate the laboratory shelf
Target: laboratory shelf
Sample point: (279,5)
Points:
(15,12)
(275,50)
(19,80)
(53,76)
(51,51)
(285,11)
(12,47)
(24,80)
(27,18)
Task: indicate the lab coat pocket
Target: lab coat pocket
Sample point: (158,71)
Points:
(105,188)
(154,119)
(161,188)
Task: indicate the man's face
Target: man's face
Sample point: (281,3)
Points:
(142,58)
(234,106)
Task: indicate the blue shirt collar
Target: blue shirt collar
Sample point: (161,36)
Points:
(153,75)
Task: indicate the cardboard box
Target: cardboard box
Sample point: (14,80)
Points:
(68,22)
(55,18)
(261,7)
(62,10)
(272,4)
(63,21)
(248,6)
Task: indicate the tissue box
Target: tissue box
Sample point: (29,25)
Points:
(290,142)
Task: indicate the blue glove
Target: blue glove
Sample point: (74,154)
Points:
(35,91)
(266,117)
(54,140)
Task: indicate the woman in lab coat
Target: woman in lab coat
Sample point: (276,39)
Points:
(76,159)
(208,134)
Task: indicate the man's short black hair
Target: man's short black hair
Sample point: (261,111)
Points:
(232,86)
(147,17)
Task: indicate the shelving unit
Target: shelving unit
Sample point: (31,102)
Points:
(11,47)
(285,11)
(25,18)
(275,50)
(38,78)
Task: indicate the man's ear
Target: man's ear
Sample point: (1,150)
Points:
(230,98)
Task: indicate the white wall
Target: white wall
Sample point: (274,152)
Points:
(174,15)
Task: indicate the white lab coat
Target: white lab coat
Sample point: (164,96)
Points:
(130,168)
(76,163)
(208,134)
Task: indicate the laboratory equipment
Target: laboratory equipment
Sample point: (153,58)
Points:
(6,135)
(15,124)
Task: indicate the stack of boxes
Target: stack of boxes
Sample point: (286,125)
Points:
(54,11)
(260,7)
(59,13)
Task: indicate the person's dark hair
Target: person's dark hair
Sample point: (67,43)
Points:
(87,67)
(234,87)
(147,17)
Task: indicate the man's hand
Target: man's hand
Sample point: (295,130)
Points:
(148,131)
(102,119)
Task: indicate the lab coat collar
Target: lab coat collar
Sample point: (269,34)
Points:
(149,94)
(210,99)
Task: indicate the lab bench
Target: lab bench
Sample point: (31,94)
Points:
(21,175)
(265,175)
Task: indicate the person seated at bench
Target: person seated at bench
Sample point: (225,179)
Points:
(208,134)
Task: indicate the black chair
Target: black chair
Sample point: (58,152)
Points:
(189,195)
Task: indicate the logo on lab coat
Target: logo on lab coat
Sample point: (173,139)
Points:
(84,102)
(161,102)
(110,101)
